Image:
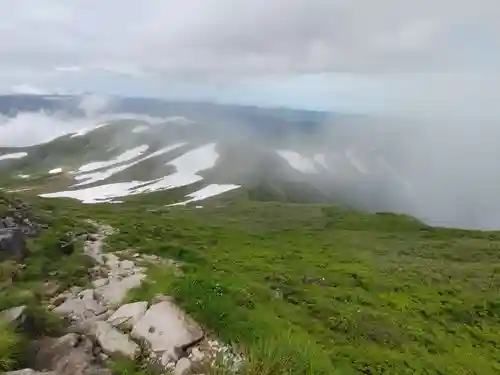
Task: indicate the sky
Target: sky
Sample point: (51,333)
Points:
(441,56)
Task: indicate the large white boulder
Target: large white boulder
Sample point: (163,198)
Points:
(165,328)
(128,315)
(115,291)
(81,307)
(113,342)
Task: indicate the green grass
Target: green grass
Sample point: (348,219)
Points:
(25,284)
(10,346)
(310,289)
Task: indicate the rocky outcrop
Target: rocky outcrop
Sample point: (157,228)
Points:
(101,326)
(71,354)
(127,316)
(167,331)
(14,315)
(113,342)
(17,222)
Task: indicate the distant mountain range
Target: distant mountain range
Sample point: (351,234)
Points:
(112,149)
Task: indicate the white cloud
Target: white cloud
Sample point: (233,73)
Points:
(27,89)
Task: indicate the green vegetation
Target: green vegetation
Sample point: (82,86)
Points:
(27,283)
(308,289)
(313,289)
(10,346)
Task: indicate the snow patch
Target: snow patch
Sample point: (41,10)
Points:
(97,194)
(16,155)
(84,131)
(91,178)
(207,192)
(297,161)
(23,176)
(187,165)
(55,171)
(126,156)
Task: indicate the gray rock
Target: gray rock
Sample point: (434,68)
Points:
(113,342)
(166,329)
(68,355)
(197,355)
(14,315)
(116,290)
(93,249)
(28,371)
(100,282)
(13,243)
(81,307)
(182,367)
(128,315)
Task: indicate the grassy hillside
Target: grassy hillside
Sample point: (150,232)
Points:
(309,289)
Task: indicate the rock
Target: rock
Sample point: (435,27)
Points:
(93,237)
(67,247)
(81,307)
(112,261)
(167,329)
(50,288)
(127,265)
(93,249)
(28,371)
(128,315)
(182,367)
(15,315)
(13,243)
(197,355)
(113,342)
(68,355)
(100,282)
(116,290)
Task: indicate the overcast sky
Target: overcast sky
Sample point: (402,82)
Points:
(357,55)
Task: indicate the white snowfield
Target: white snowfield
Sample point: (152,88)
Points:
(126,156)
(84,131)
(16,155)
(94,177)
(187,168)
(55,171)
(297,161)
(207,192)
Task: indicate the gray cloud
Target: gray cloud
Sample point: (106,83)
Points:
(256,37)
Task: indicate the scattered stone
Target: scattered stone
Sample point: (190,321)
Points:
(196,355)
(182,367)
(113,342)
(116,290)
(128,315)
(100,282)
(13,243)
(15,315)
(127,265)
(68,355)
(29,371)
(50,288)
(172,331)
(93,237)
(81,307)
